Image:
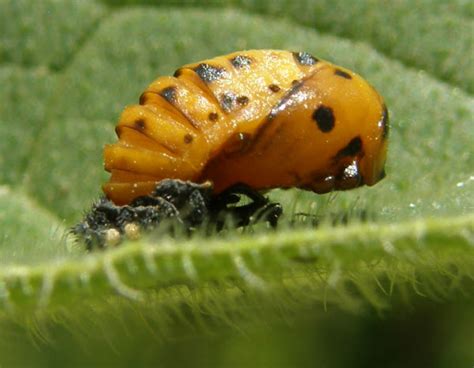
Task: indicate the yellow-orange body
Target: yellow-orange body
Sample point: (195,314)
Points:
(265,118)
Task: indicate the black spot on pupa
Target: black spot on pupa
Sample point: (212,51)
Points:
(142,99)
(294,82)
(304,58)
(140,124)
(178,72)
(209,73)
(274,88)
(242,100)
(384,123)
(342,73)
(213,116)
(353,148)
(241,61)
(188,138)
(169,94)
(227,101)
(324,117)
(349,177)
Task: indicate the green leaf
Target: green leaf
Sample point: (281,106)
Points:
(69,68)
(331,250)
(433,35)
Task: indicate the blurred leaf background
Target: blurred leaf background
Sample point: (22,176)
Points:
(67,69)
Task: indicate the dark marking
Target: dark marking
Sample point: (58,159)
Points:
(178,72)
(227,101)
(294,82)
(385,122)
(350,177)
(209,73)
(188,138)
(324,117)
(304,58)
(241,61)
(342,73)
(382,174)
(283,103)
(319,182)
(238,143)
(353,148)
(140,124)
(242,100)
(213,116)
(274,88)
(169,94)
(142,99)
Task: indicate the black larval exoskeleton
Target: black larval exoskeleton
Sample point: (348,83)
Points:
(181,203)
